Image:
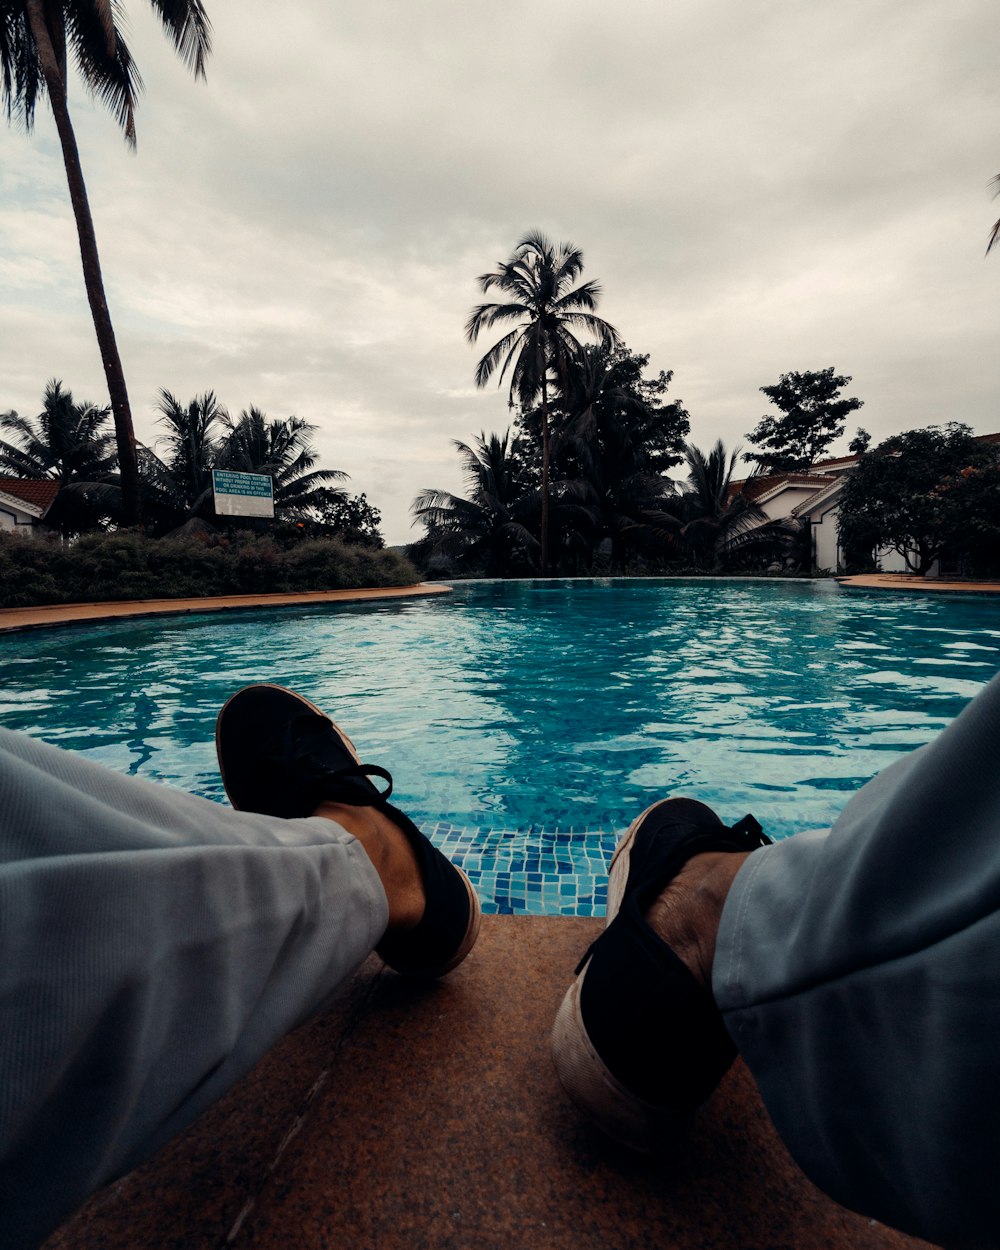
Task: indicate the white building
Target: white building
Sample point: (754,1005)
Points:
(813,498)
(25,502)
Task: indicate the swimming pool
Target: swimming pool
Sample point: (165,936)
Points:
(525,723)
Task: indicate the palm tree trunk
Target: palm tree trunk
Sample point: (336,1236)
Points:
(56,85)
(545,477)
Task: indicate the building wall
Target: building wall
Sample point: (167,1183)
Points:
(12,518)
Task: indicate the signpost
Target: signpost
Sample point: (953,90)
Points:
(242,494)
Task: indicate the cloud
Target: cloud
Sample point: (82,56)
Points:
(759,186)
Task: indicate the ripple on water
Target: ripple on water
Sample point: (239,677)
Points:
(544,705)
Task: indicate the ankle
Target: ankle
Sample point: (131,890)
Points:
(391,856)
(687,913)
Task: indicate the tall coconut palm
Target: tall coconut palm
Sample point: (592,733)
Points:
(546,310)
(486,530)
(66,442)
(35,37)
(280,448)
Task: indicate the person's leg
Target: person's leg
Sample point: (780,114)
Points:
(859,973)
(153,946)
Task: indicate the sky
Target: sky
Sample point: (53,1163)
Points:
(759,186)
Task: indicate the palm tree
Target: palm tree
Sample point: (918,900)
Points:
(182,477)
(721,526)
(487,530)
(66,442)
(280,448)
(35,36)
(546,310)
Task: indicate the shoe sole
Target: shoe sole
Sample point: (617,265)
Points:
(588,1083)
(475,907)
(600,1095)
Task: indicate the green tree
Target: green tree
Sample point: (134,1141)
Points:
(813,416)
(924,493)
(332,513)
(281,449)
(35,37)
(721,528)
(546,311)
(179,483)
(615,448)
(67,442)
(486,531)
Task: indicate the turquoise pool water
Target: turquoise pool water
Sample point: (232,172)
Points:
(526,722)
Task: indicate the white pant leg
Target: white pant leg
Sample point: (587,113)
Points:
(859,973)
(153,946)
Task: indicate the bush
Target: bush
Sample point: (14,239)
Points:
(105,567)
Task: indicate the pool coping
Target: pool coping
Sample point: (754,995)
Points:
(910,581)
(15,619)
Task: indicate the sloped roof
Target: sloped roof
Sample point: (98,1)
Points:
(755,488)
(819,474)
(38,492)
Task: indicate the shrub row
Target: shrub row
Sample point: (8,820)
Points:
(103,567)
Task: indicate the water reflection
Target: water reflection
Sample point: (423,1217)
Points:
(560,704)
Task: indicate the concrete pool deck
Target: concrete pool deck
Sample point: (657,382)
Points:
(910,581)
(84,613)
(428,1117)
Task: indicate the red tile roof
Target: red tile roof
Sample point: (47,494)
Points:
(39,492)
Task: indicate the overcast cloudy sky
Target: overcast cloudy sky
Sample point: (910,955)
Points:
(759,186)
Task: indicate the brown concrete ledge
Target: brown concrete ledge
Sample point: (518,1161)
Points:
(75,613)
(415,1117)
(909,581)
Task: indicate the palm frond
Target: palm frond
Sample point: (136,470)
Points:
(187,24)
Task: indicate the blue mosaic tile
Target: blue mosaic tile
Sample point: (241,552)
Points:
(532,871)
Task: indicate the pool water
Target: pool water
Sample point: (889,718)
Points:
(526,723)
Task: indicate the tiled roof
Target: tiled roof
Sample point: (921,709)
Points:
(820,473)
(39,492)
(755,487)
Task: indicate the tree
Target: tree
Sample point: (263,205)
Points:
(546,310)
(66,442)
(924,493)
(333,513)
(485,531)
(35,36)
(721,527)
(179,484)
(813,416)
(995,232)
(280,448)
(615,447)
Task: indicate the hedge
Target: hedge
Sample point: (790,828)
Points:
(103,567)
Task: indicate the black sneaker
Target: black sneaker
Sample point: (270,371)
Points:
(638,1043)
(280,756)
